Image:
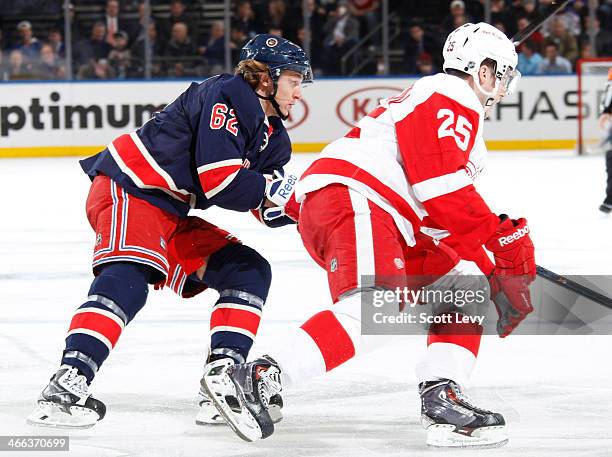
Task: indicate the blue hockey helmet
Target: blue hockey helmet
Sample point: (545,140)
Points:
(278,54)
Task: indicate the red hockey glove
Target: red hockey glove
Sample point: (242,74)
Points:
(514,270)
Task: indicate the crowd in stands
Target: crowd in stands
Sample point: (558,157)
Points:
(110,42)
(554,49)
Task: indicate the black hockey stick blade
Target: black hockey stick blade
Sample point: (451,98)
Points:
(567,283)
(553,8)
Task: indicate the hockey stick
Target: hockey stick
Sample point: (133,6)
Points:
(574,287)
(553,9)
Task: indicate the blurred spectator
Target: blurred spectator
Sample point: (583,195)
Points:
(245,19)
(97,69)
(456,16)
(459,20)
(503,15)
(275,31)
(604,14)
(586,51)
(28,43)
(418,42)
(367,13)
(570,19)
(424,65)
(280,16)
(181,51)
(93,48)
(139,30)
(317,17)
(111,19)
(581,9)
(177,14)
(603,39)
(56,41)
(341,33)
(499,25)
(530,11)
(18,68)
(553,63)
(138,53)
(237,41)
(49,66)
(120,58)
(529,59)
(565,42)
(3,68)
(214,48)
(536,36)
(77,29)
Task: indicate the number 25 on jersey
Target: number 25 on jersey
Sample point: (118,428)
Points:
(460,131)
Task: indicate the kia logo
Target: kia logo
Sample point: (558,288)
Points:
(298,115)
(359,103)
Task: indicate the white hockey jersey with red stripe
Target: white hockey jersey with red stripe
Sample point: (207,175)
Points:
(416,156)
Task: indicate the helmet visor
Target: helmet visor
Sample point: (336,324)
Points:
(302,69)
(509,81)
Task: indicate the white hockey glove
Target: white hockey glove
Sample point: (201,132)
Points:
(279,191)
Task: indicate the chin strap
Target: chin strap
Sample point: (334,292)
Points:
(491,95)
(271,99)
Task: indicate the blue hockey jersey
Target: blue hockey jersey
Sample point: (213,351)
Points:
(210,147)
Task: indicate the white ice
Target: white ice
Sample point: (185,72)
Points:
(555,391)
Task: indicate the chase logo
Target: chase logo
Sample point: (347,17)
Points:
(271,42)
(162,242)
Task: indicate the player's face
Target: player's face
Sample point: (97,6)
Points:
(289,91)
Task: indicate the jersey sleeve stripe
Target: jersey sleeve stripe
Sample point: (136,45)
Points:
(441,185)
(134,163)
(214,181)
(220,164)
(151,161)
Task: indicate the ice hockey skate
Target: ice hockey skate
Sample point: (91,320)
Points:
(209,415)
(66,402)
(451,420)
(605,208)
(241,393)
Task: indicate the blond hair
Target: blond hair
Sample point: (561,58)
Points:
(252,71)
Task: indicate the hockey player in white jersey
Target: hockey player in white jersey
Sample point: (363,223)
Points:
(395,197)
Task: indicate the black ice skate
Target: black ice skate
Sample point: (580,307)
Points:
(452,421)
(208,414)
(66,402)
(605,207)
(242,393)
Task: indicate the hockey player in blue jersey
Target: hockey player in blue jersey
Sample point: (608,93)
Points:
(220,143)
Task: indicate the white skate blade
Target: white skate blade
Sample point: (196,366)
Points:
(48,414)
(219,387)
(208,415)
(443,435)
(276,414)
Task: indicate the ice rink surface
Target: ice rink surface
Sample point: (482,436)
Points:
(555,392)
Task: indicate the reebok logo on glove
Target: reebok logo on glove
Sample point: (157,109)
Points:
(520,233)
(287,188)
